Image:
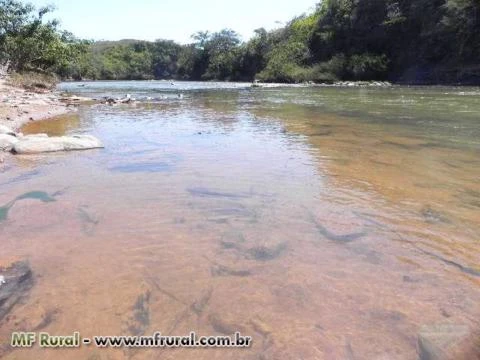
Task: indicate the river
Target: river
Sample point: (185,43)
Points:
(325,223)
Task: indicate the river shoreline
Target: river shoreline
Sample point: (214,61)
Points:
(19,106)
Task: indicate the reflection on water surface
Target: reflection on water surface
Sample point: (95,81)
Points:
(325,223)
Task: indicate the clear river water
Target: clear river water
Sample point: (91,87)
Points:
(325,223)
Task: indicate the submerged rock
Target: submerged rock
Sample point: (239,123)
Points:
(263,253)
(435,342)
(126,100)
(15,281)
(199,305)
(140,319)
(343,238)
(36,195)
(224,325)
(220,270)
(40,144)
(433,216)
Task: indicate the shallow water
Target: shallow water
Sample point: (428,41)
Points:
(326,223)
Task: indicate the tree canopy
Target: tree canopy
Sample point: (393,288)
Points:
(27,42)
(416,41)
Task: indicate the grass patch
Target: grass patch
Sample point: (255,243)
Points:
(32,81)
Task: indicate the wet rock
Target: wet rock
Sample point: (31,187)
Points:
(41,144)
(349,354)
(36,195)
(390,316)
(340,238)
(409,279)
(140,320)
(47,318)
(229,245)
(469,198)
(344,238)
(89,220)
(220,270)
(263,253)
(199,305)
(7,142)
(435,342)
(261,327)
(433,216)
(463,268)
(21,178)
(112,101)
(204,192)
(371,256)
(399,145)
(293,295)
(232,239)
(322,133)
(15,281)
(223,325)
(146,167)
(233,210)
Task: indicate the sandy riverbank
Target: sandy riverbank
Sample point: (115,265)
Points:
(19,106)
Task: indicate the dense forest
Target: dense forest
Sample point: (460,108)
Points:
(413,41)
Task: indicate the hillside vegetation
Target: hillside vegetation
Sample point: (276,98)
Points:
(413,41)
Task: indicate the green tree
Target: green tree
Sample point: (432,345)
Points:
(27,42)
(221,50)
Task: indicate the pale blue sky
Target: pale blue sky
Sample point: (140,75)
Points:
(171,19)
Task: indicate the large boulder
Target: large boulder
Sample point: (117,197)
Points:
(7,142)
(40,144)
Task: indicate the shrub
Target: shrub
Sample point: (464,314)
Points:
(368,66)
(33,81)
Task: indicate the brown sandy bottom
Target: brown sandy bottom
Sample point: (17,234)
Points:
(297,293)
(323,243)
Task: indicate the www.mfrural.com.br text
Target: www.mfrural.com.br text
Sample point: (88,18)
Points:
(157,340)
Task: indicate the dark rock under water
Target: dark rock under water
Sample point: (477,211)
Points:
(263,253)
(433,216)
(140,319)
(17,281)
(205,192)
(34,195)
(346,238)
(146,167)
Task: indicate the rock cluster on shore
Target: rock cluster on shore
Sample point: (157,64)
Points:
(19,106)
